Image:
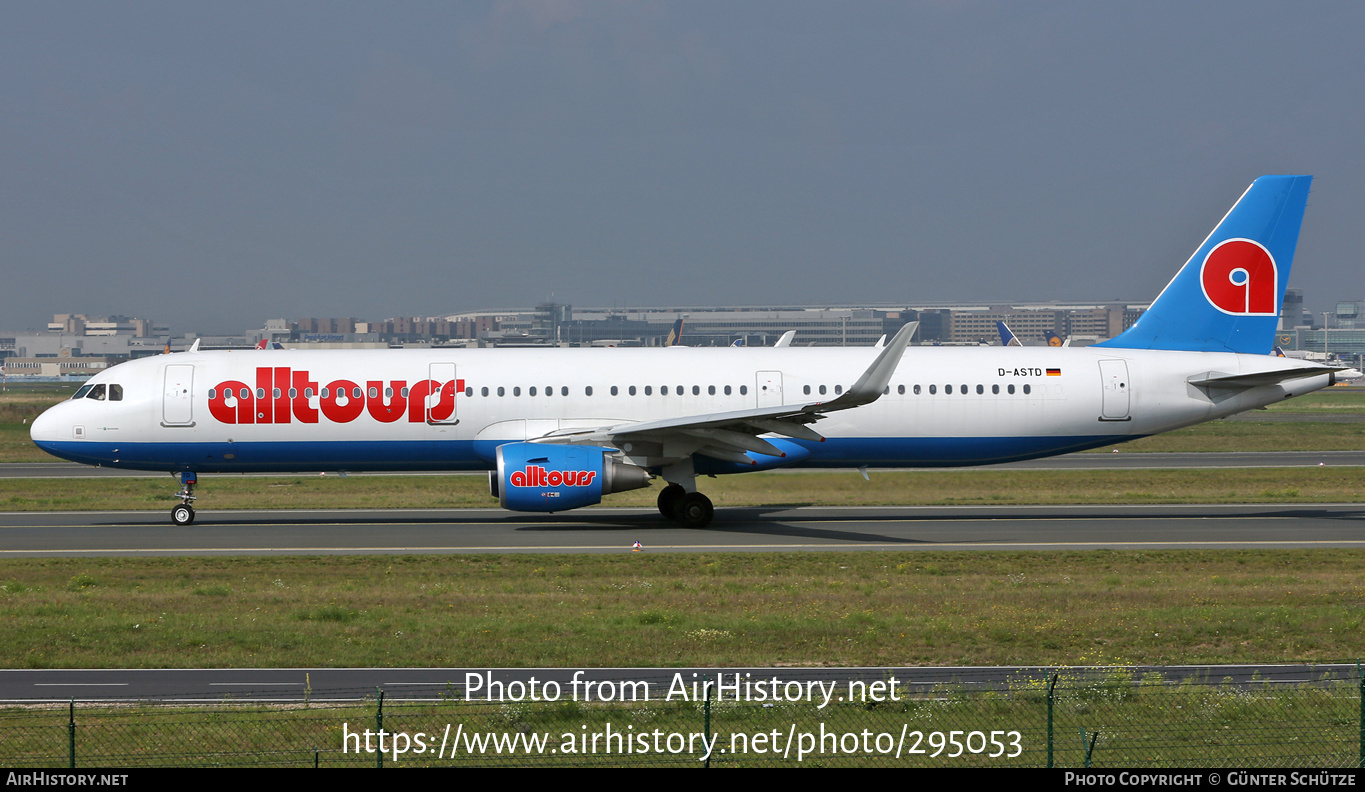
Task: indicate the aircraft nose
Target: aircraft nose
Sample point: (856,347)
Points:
(43,431)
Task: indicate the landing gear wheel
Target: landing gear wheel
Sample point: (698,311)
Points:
(182,514)
(668,500)
(694,510)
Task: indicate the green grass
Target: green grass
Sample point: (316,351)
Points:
(1336,400)
(20,403)
(822,488)
(716,609)
(1137,722)
(1251,436)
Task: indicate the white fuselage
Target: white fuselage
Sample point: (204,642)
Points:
(944,405)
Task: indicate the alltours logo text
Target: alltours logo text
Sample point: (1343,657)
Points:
(281,395)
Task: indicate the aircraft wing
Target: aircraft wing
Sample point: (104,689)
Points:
(728,435)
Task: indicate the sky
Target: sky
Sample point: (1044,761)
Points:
(211,165)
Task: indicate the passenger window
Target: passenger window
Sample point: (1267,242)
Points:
(516,390)
(995,389)
(532,391)
(649,390)
(468,391)
(1010,389)
(564,390)
(663,391)
(916,390)
(293,393)
(822,390)
(632,390)
(615,391)
(711,390)
(933,389)
(275,393)
(727,390)
(838,388)
(743,390)
(900,390)
(213,394)
(980,389)
(1028,389)
(696,390)
(482,391)
(502,391)
(806,390)
(947,388)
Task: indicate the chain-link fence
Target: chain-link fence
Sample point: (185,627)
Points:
(1103,718)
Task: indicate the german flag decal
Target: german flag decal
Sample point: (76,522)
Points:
(1054,372)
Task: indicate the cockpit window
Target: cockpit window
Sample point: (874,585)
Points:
(115,393)
(97,393)
(80,394)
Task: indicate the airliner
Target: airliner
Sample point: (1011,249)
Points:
(559,429)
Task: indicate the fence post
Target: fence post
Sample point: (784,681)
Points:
(1088,746)
(1050,687)
(71,736)
(706,709)
(1360,678)
(379,728)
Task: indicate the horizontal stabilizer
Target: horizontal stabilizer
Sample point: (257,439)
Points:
(1243,381)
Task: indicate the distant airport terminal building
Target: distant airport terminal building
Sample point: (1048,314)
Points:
(77,345)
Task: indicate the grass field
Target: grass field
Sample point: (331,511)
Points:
(883,608)
(726,609)
(823,488)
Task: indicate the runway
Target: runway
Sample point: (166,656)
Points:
(612,530)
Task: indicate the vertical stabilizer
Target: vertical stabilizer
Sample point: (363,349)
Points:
(1227,296)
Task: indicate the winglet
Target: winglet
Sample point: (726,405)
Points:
(870,385)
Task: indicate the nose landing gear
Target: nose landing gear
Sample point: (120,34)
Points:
(183,514)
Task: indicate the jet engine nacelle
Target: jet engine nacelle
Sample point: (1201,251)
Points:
(551,478)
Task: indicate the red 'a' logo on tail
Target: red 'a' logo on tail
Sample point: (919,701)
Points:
(1239,278)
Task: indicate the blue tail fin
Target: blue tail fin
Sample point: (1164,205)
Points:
(1227,296)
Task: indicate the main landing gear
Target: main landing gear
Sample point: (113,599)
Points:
(183,514)
(688,509)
